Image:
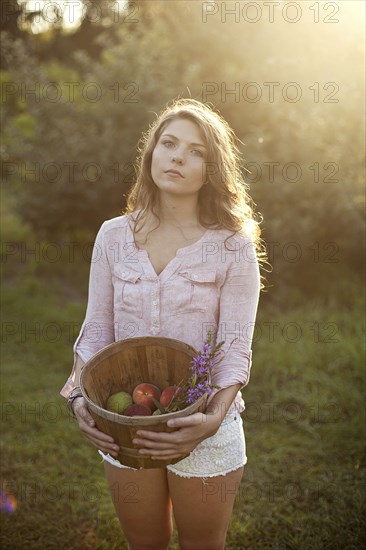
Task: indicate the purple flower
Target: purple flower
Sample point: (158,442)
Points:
(198,391)
(202,365)
(199,383)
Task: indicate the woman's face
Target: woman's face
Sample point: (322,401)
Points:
(180,148)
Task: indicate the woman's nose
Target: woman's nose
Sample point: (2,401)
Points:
(177,157)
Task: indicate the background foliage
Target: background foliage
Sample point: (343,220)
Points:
(313,193)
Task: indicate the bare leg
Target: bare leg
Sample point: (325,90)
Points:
(203,508)
(143,506)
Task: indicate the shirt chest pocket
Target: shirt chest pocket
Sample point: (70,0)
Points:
(128,291)
(193,290)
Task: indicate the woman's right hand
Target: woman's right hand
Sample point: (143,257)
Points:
(99,439)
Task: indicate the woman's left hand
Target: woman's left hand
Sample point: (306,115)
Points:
(191,430)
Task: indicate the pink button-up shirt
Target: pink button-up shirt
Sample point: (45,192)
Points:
(204,287)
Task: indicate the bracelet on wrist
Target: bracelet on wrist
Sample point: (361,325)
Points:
(75,389)
(71,398)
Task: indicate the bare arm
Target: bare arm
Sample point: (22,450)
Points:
(78,366)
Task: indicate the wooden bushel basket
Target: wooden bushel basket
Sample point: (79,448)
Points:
(123,365)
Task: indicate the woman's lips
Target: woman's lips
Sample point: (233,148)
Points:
(174,173)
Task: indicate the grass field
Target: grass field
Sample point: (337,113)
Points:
(304,424)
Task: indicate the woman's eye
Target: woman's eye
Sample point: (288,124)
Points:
(169,145)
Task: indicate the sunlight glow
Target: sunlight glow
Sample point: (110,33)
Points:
(71,13)
(354,11)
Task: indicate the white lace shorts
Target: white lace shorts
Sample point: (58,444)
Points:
(218,455)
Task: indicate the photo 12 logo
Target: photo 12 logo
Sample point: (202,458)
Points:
(272,12)
(270,92)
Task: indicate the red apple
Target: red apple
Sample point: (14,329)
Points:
(137,410)
(168,395)
(144,394)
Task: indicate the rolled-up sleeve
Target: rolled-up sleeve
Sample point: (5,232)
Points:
(97,330)
(238,309)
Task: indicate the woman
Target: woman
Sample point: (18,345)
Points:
(182,260)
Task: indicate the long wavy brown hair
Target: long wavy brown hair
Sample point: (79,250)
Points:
(223,203)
